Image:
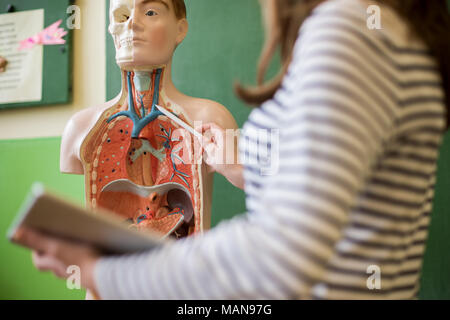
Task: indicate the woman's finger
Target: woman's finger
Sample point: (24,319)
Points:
(44,262)
(211,126)
(206,141)
(32,239)
(205,127)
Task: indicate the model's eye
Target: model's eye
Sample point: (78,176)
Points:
(121,14)
(151,13)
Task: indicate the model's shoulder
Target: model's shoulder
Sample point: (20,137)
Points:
(212,111)
(78,122)
(76,130)
(82,116)
(87,117)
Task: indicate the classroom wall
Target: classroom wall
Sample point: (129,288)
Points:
(21,163)
(224,41)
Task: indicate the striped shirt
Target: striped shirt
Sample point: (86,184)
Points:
(340,168)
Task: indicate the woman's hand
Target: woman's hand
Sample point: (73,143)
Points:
(55,255)
(220,153)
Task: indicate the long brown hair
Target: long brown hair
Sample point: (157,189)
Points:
(429,20)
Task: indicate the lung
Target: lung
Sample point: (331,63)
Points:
(141,165)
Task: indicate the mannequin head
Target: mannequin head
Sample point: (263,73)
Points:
(147,32)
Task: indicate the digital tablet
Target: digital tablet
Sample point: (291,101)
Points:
(49,213)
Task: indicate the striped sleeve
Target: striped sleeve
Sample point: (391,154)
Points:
(335,121)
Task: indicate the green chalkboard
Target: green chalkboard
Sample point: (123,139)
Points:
(57,72)
(436,266)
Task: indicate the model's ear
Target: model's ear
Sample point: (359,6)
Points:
(183,27)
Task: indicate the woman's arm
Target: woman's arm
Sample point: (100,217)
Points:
(221,152)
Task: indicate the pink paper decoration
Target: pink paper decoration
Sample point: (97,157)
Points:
(49,36)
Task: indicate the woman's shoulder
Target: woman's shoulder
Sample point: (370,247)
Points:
(371,19)
(361,29)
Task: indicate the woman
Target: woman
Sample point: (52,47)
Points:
(360,115)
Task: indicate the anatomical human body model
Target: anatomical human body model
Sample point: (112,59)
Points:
(137,162)
(134,145)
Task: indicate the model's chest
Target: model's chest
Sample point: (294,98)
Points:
(148,175)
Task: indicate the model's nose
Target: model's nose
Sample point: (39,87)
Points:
(134,22)
(130,21)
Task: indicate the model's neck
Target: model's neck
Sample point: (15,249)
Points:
(143,72)
(143,87)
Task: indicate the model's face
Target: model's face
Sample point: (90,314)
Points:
(145,32)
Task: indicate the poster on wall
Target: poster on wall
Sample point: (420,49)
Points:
(22,79)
